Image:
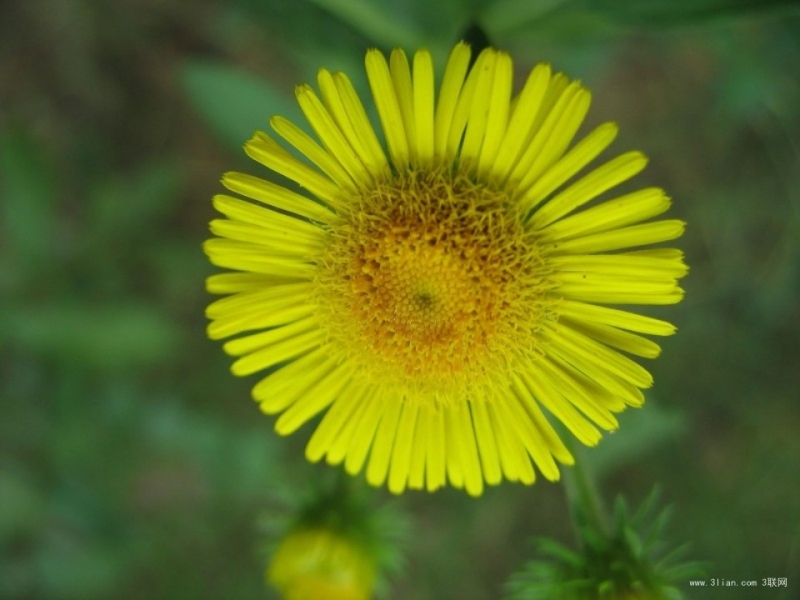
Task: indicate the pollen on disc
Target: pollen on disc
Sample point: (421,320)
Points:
(432,281)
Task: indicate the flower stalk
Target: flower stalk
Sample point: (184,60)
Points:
(585,503)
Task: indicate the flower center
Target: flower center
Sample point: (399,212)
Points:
(431,282)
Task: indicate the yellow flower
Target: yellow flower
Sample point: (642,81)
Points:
(317,564)
(442,296)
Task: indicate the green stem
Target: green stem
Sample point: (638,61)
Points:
(586,505)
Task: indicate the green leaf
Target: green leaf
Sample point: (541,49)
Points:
(671,593)
(374,21)
(232,102)
(665,13)
(559,551)
(633,542)
(577,21)
(568,22)
(506,15)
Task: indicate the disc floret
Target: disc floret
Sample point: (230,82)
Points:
(433,282)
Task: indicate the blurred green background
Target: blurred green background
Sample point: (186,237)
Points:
(133,465)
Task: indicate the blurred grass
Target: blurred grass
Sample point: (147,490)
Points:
(132,464)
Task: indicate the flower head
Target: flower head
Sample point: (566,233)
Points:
(319,564)
(443,296)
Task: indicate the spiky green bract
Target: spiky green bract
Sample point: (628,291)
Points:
(632,561)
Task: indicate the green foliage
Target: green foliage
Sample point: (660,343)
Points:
(633,560)
(374,20)
(660,13)
(133,465)
(556,19)
(234,103)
